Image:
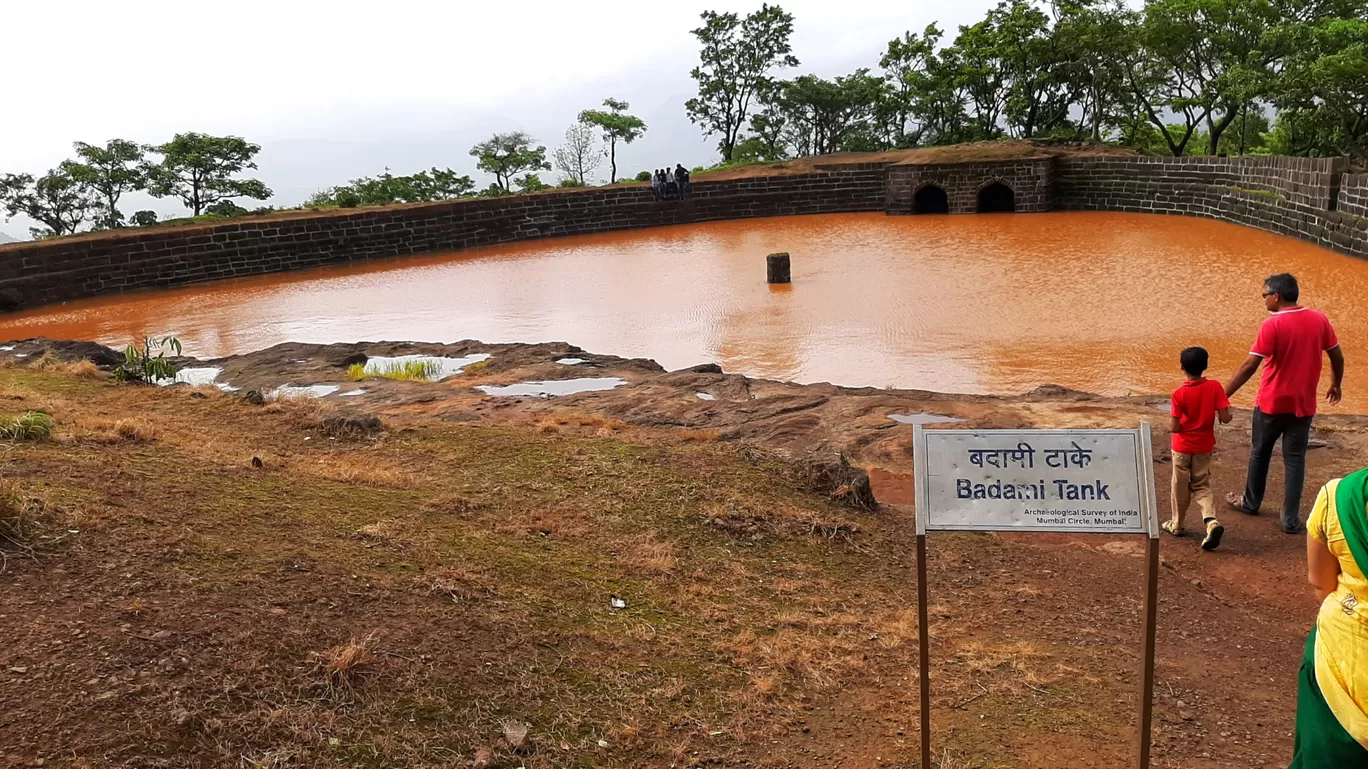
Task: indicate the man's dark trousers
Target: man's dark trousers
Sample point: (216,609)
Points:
(1295,431)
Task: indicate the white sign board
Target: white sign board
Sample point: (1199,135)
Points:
(1098,481)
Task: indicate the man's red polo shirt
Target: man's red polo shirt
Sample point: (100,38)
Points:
(1195,404)
(1291,343)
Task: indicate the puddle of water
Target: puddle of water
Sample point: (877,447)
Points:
(553,388)
(6,348)
(571,361)
(21,355)
(923,419)
(195,377)
(199,376)
(288,391)
(352,393)
(705,396)
(442,367)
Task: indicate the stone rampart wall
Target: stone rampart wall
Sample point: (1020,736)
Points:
(1353,195)
(1311,199)
(1305,198)
(44,272)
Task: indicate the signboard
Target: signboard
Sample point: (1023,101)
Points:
(1098,481)
(1090,481)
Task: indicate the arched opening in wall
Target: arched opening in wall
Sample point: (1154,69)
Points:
(996,198)
(930,200)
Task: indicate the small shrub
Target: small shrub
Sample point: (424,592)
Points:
(28,426)
(402,370)
(566,183)
(644,176)
(143,366)
(83,369)
(134,431)
(344,664)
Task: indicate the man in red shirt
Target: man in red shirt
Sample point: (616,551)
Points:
(1289,346)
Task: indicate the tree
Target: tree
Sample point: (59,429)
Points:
(1095,40)
(823,116)
(907,66)
(1323,98)
(56,200)
(617,126)
(199,170)
(507,154)
(530,183)
(109,171)
(422,187)
(1206,61)
(580,154)
(735,61)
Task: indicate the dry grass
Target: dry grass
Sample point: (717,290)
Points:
(111,432)
(345,665)
(24,525)
(548,426)
(702,436)
(645,555)
(356,468)
(487,553)
(458,584)
(476,368)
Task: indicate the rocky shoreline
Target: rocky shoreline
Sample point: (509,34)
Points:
(869,426)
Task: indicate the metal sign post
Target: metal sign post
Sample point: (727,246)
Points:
(1080,481)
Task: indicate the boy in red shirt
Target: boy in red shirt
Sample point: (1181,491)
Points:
(1194,410)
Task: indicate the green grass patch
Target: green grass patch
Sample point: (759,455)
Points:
(403,371)
(28,426)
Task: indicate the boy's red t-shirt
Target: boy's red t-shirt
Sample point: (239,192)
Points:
(1195,404)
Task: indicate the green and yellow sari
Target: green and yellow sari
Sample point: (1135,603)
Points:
(1332,692)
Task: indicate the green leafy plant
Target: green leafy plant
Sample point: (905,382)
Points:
(401,370)
(28,426)
(143,366)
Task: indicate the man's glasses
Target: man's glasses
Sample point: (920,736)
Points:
(1267,294)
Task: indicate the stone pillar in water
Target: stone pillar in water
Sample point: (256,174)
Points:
(777,268)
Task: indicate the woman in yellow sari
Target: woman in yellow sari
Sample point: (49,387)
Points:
(1332,691)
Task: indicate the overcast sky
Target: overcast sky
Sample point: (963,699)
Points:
(340,89)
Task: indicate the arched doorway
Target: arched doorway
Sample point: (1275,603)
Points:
(996,198)
(930,200)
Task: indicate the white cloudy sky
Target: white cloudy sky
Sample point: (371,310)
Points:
(335,90)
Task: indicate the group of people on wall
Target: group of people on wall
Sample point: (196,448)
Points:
(1332,692)
(670,183)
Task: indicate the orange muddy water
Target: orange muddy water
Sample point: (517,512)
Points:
(982,304)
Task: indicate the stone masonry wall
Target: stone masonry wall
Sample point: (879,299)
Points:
(1305,198)
(1031,181)
(1353,195)
(39,273)
(1309,198)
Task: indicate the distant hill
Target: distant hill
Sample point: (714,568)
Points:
(7,239)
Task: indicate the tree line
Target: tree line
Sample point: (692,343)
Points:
(198,169)
(1173,77)
(203,171)
(513,159)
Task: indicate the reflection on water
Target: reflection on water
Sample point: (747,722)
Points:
(1094,301)
(554,388)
